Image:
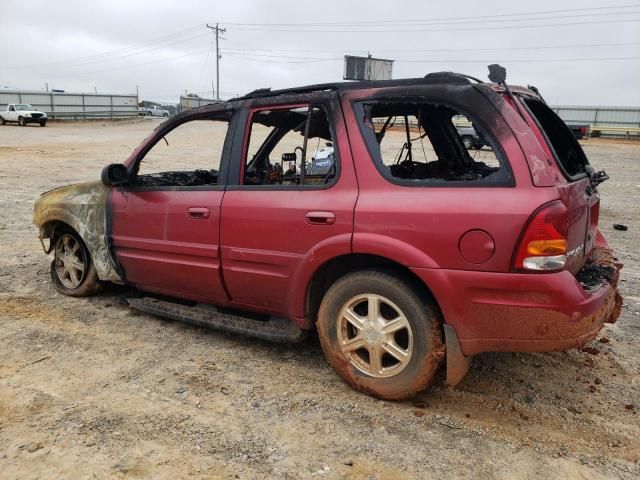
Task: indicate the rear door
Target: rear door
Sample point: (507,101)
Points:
(581,200)
(165,225)
(276,214)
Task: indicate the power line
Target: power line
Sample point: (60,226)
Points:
(130,66)
(121,52)
(463,49)
(405,30)
(448,29)
(249,57)
(377,22)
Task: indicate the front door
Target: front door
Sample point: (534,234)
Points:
(165,224)
(282,206)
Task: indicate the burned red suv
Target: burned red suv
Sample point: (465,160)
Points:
(356,209)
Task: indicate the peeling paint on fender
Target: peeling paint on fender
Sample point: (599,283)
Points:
(82,206)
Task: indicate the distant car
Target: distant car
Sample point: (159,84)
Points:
(155,111)
(580,131)
(471,139)
(23,113)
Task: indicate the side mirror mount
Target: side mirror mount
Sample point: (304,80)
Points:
(114,174)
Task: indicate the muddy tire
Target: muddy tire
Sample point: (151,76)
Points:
(21,122)
(2,121)
(72,270)
(380,335)
(43,123)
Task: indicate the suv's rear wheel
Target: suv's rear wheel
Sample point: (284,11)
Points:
(72,270)
(380,335)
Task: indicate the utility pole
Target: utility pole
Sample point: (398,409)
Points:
(217,31)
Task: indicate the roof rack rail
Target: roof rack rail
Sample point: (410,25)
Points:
(267,92)
(445,75)
(430,78)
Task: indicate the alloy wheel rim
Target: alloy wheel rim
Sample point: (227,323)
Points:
(70,262)
(375,335)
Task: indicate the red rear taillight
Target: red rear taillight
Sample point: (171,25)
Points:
(543,245)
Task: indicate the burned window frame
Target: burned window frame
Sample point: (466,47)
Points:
(524,101)
(230,116)
(504,177)
(236,175)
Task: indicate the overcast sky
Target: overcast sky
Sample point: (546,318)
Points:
(164,47)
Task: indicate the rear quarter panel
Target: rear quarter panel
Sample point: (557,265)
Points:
(421,226)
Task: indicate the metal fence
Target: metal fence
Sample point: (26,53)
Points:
(74,105)
(599,116)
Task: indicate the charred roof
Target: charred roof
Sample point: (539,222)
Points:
(436,78)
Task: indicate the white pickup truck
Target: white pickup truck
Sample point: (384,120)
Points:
(153,111)
(22,113)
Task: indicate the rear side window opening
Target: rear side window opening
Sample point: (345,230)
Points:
(568,152)
(421,143)
(289,147)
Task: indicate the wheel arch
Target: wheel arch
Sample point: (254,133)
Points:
(51,229)
(330,271)
(95,242)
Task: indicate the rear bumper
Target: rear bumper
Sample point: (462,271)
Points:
(522,312)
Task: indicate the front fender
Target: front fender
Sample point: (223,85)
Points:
(83,208)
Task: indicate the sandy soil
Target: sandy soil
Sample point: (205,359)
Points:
(92,389)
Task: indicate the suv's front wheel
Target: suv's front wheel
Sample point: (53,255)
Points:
(380,335)
(72,269)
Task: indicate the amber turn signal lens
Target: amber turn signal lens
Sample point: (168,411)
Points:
(547,247)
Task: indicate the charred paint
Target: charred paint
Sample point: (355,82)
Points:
(82,207)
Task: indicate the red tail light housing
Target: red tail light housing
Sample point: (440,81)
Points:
(543,243)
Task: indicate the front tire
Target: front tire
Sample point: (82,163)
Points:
(43,123)
(380,335)
(21,122)
(72,270)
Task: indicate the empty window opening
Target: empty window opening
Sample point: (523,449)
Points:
(290,146)
(187,156)
(426,142)
(568,151)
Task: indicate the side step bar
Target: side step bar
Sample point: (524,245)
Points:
(275,329)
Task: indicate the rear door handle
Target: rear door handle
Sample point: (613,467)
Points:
(198,212)
(321,218)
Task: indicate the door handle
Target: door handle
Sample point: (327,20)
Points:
(198,212)
(321,218)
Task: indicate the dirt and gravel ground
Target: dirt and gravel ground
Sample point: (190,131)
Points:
(92,389)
